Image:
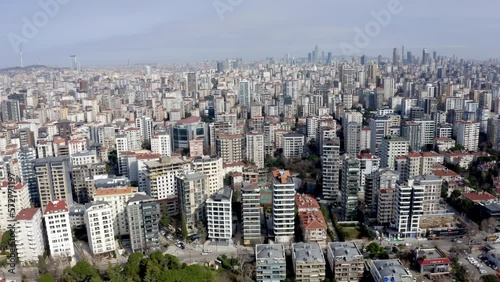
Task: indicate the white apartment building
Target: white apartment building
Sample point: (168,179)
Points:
(255,148)
(293,145)
(117,198)
(19,193)
(83,158)
(219,213)
(211,167)
(193,192)
(312,128)
(134,138)
(468,135)
(29,235)
(58,228)
(391,148)
(99,222)
(283,206)
(368,164)
(409,207)
(161,144)
(160,177)
(121,144)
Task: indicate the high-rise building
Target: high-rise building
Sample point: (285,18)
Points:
(212,168)
(58,228)
(230,148)
(143,216)
(352,141)
(350,188)
(368,164)
(409,207)
(468,135)
(160,177)
(384,193)
(29,235)
(161,144)
(391,148)
(117,199)
(255,148)
(73,63)
(330,163)
(192,84)
(220,67)
(193,191)
(219,218)
(99,223)
(250,213)
(283,206)
(395,56)
(26,157)
(10,111)
(54,180)
(145,125)
(293,145)
(245,97)
(13,198)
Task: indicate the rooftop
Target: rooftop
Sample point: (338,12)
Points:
(26,214)
(115,191)
(345,251)
(305,201)
(56,206)
(313,219)
(479,196)
(223,194)
(307,253)
(393,269)
(265,251)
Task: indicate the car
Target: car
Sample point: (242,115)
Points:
(204,253)
(208,250)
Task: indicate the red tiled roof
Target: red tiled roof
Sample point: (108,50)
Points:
(478,197)
(304,201)
(56,206)
(312,219)
(191,119)
(27,214)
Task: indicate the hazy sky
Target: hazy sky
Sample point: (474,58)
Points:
(102,32)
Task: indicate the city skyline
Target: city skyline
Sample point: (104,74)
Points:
(105,34)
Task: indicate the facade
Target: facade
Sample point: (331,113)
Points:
(283,206)
(99,223)
(13,199)
(143,216)
(350,188)
(391,148)
(29,235)
(160,177)
(346,261)
(212,168)
(293,145)
(193,191)
(330,162)
(313,226)
(308,262)
(250,195)
(185,130)
(409,207)
(54,179)
(161,144)
(117,199)
(27,156)
(219,209)
(352,133)
(432,261)
(58,228)
(255,148)
(270,262)
(468,135)
(230,148)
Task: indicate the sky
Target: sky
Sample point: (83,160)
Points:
(111,32)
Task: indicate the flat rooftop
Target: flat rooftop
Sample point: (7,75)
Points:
(308,253)
(393,269)
(346,251)
(269,251)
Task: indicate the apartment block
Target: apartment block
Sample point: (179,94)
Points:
(99,223)
(143,216)
(345,261)
(308,262)
(283,206)
(219,214)
(29,235)
(270,262)
(58,229)
(251,213)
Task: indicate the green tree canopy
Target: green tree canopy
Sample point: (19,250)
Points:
(82,271)
(46,278)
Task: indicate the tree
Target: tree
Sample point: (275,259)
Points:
(42,265)
(46,278)
(455,195)
(377,251)
(6,237)
(490,278)
(165,220)
(82,271)
(113,274)
(146,145)
(184,226)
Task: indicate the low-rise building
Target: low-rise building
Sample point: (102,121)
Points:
(432,261)
(308,262)
(346,261)
(270,262)
(313,226)
(389,270)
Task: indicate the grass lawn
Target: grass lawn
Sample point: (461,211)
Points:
(351,233)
